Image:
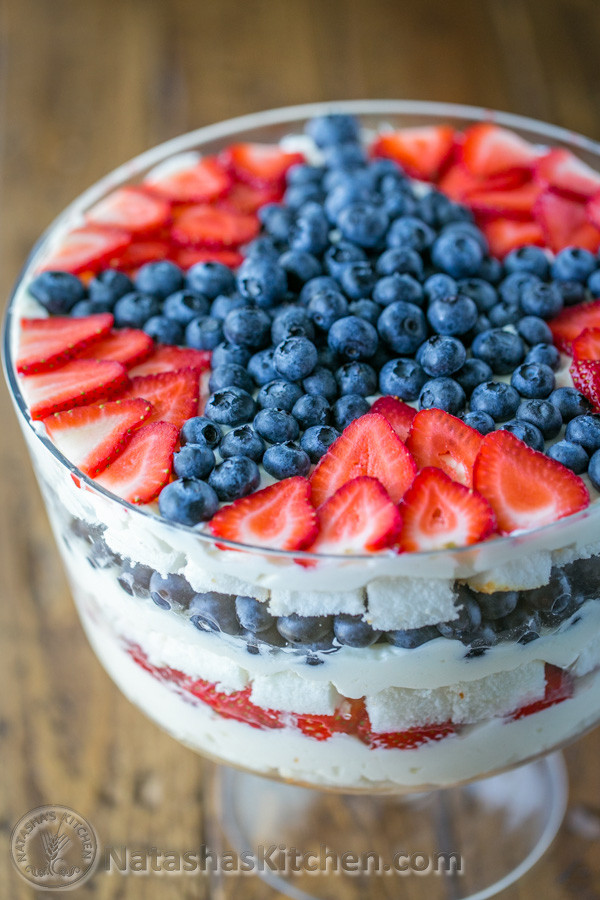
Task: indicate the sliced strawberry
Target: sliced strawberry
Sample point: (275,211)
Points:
(398,413)
(358,518)
(410,738)
(438,513)
(207,226)
(587,236)
(245,198)
(280,516)
(593,210)
(167,358)
(559,687)
(173,395)
(86,249)
(586,378)
(185,257)
(237,705)
(504,235)
(139,253)
(572,321)
(259,164)
(514,203)
(491,150)
(526,489)
(438,439)
(422,152)
(587,345)
(77,383)
(562,171)
(91,437)
(48,343)
(205,181)
(128,346)
(367,446)
(561,219)
(143,468)
(459,183)
(132,209)
(318,727)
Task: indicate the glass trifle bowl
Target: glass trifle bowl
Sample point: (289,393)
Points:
(480,659)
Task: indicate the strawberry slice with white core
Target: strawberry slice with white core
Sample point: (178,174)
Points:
(86,249)
(562,171)
(77,383)
(438,513)
(438,439)
(280,516)
(245,198)
(421,152)
(358,518)
(201,183)
(139,253)
(141,471)
(504,235)
(491,150)
(526,489)
(587,345)
(572,321)
(563,220)
(91,437)
(514,203)
(261,165)
(132,209)
(128,346)
(173,395)
(586,378)
(398,413)
(167,358)
(459,183)
(207,226)
(186,257)
(367,446)
(48,343)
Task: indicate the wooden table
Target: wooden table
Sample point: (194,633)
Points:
(88,84)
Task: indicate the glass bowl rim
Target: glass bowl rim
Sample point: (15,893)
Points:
(227,128)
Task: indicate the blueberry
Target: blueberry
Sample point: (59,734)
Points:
(135,579)
(553,601)
(300,267)
(276,425)
(454,315)
(303,629)
(440,286)
(248,327)
(85,308)
(303,173)
(570,403)
(317,440)
(353,631)
(410,233)
(411,638)
(491,270)
(194,461)
(107,286)
(242,441)
(159,278)
(310,231)
(543,414)
(188,501)
(496,605)
(353,338)
(442,393)
(262,281)
(441,355)
(231,406)
(403,327)
(262,247)
(363,223)
(170,590)
(333,128)
(571,455)
(183,306)
(230,376)
(542,300)
(573,264)
(402,378)
(512,287)
(223,304)
(593,284)
(297,195)
(286,460)
(200,430)
(501,350)
(327,306)
(295,358)
(253,614)
(594,470)
(572,292)
(133,310)
(346,157)
(469,230)
(327,358)
(311,409)
(236,476)
(276,220)
(356,378)
(357,280)
(504,313)
(292,321)
(526,432)
(339,255)
(480,421)
(528,259)
(458,254)
(473,372)
(481,292)
(348,408)
(342,194)
(365,309)
(163,330)
(402,261)
(546,354)
(204,333)
(260,366)
(534,330)
(437,210)
(497,399)
(321,382)
(214,612)
(225,354)
(585,430)
(468,620)
(210,279)
(533,380)
(482,324)
(520,625)
(279,394)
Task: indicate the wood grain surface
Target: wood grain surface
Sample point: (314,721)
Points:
(86,84)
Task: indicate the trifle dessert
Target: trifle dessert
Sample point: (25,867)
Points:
(314,408)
